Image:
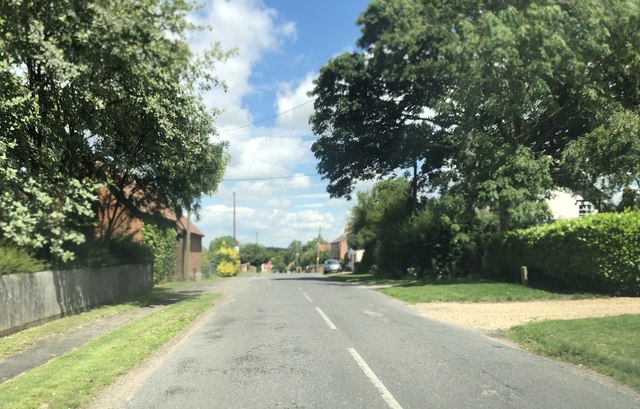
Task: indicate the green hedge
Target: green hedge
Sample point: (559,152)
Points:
(16,260)
(598,252)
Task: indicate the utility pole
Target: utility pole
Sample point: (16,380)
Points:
(234,216)
(256,238)
(318,249)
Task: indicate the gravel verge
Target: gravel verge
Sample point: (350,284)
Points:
(497,317)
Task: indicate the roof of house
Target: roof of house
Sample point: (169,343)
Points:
(342,237)
(168,214)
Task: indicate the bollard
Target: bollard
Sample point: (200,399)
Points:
(524,276)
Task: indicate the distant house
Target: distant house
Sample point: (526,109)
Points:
(566,205)
(341,250)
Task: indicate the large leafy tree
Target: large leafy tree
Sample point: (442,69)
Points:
(485,97)
(107,91)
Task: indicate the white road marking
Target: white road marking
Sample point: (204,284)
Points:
(308,298)
(384,392)
(326,319)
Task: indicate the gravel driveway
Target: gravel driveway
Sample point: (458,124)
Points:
(500,316)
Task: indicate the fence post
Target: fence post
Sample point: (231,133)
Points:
(524,276)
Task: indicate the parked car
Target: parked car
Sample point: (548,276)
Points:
(331,266)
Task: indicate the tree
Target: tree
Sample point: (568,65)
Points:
(222,241)
(107,91)
(481,97)
(376,223)
(254,254)
(309,254)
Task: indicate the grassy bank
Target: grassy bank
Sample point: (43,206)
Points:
(457,290)
(71,380)
(608,345)
(473,291)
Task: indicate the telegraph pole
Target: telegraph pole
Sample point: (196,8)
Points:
(318,249)
(234,216)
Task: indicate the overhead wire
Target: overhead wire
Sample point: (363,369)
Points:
(269,118)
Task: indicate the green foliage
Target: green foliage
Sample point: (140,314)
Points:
(41,214)
(309,253)
(223,241)
(162,242)
(254,254)
(496,101)
(105,92)
(16,260)
(96,252)
(227,262)
(600,251)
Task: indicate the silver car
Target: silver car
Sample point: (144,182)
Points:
(331,266)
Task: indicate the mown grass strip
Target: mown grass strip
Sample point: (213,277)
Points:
(473,292)
(71,380)
(23,340)
(608,345)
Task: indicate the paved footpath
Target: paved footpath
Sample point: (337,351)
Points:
(60,344)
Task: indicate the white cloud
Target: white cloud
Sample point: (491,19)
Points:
(249,27)
(293,104)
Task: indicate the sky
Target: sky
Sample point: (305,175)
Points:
(280,47)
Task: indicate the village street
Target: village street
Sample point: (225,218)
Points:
(301,341)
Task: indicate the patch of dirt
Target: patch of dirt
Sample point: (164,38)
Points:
(500,316)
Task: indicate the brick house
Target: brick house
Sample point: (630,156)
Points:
(115,221)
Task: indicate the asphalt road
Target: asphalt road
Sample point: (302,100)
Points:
(300,341)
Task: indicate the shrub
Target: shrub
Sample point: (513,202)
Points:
(16,260)
(227,262)
(598,252)
(162,243)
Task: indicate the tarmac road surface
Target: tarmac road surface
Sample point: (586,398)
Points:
(301,341)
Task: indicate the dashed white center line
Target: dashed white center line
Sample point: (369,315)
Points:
(307,297)
(384,392)
(326,319)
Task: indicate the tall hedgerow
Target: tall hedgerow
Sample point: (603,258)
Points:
(600,252)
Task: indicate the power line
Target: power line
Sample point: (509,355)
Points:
(271,117)
(271,178)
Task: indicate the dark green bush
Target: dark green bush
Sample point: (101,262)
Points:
(599,252)
(16,260)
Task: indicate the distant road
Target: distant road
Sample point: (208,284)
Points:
(301,341)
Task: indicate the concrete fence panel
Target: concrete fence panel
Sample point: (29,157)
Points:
(27,299)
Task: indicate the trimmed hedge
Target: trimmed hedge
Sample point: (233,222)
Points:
(599,252)
(15,260)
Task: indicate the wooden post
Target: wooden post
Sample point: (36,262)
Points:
(524,275)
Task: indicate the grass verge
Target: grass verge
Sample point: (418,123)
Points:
(608,345)
(469,289)
(23,340)
(71,380)
(473,291)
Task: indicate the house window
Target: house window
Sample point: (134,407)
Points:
(584,208)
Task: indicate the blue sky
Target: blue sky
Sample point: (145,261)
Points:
(281,46)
